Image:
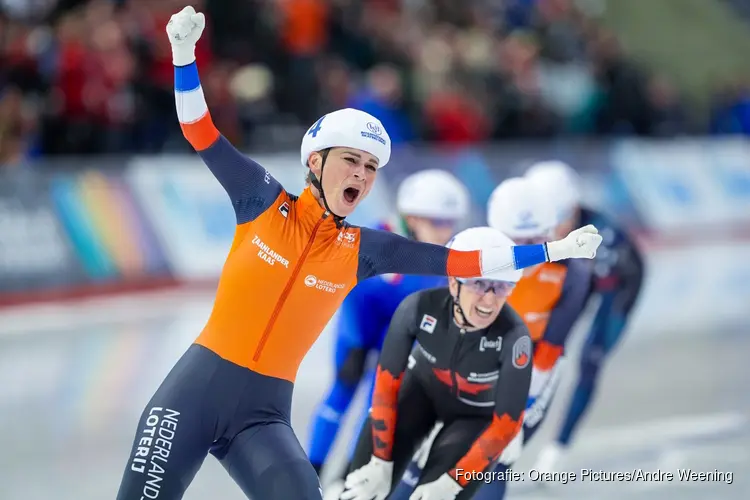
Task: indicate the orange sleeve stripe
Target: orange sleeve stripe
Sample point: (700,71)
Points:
(201,133)
(383,412)
(546,355)
(487,447)
(463,264)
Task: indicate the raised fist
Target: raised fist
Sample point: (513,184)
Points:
(184,29)
(579,244)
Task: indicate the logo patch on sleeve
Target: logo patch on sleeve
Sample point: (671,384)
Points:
(522,352)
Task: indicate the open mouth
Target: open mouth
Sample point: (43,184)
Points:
(351,194)
(483,312)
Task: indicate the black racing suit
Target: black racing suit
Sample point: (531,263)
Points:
(475,382)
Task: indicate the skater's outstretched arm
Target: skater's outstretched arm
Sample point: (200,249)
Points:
(382,252)
(250,187)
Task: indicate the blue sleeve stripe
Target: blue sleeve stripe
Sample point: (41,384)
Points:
(186,78)
(529,255)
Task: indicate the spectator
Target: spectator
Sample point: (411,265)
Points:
(17,127)
(520,110)
(454,118)
(625,108)
(668,117)
(304,34)
(95,76)
(731,110)
(382,97)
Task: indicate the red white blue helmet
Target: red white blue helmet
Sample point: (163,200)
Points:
(483,238)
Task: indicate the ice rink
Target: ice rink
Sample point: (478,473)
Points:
(75,379)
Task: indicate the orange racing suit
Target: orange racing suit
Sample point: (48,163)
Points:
(288,270)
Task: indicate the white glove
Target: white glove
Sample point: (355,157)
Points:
(579,244)
(184,29)
(534,414)
(334,490)
(370,482)
(512,452)
(443,488)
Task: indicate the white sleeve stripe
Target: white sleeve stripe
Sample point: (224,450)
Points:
(183,122)
(191,106)
(496,259)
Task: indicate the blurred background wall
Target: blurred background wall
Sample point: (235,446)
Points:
(99,193)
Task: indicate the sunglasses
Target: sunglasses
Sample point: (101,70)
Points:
(481,286)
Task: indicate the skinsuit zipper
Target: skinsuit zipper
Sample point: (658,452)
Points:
(287,290)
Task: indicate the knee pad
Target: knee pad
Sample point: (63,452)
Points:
(292,479)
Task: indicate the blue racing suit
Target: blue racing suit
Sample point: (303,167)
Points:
(362,323)
(617,280)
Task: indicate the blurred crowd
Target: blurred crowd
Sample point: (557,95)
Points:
(95,76)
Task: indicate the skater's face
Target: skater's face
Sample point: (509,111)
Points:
(435,231)
(480,300)
(348,175)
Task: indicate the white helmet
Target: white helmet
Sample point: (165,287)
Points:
(485,238)
(558,182)
(518,209)
(350,128)
(433,193)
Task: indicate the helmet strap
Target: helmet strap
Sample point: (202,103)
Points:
(457,305)
(318,184)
